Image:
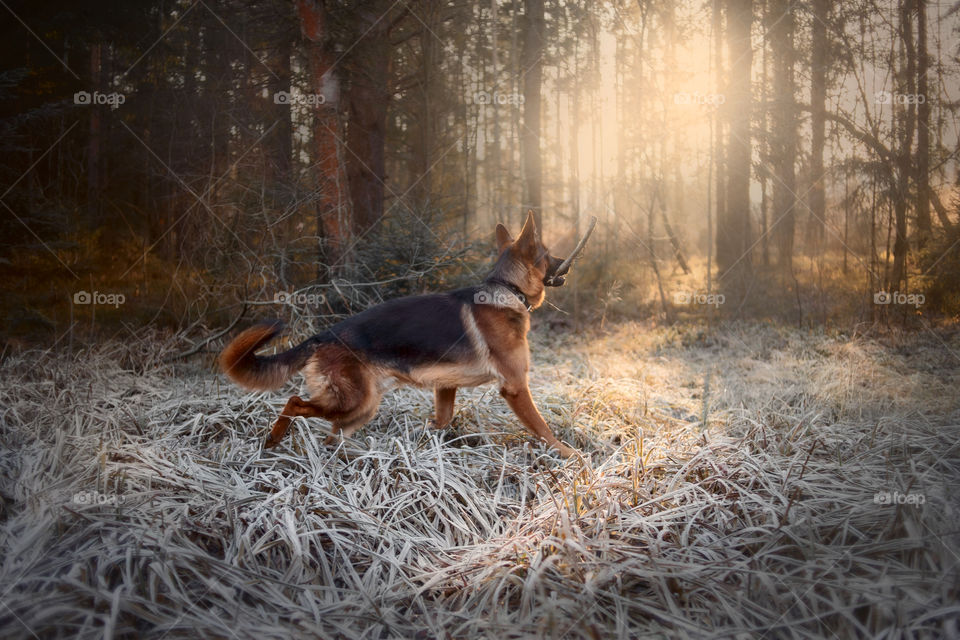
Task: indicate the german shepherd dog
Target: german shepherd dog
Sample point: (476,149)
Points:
(463,338)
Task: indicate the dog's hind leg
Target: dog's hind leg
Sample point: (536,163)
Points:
(343,390)
(295,407)
(346,427)
(443,406)
(343,423)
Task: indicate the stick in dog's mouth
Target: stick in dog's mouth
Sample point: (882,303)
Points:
(557,277)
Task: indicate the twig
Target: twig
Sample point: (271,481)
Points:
(565,265)
(201,345)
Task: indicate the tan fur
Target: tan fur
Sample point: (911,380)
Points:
(237,360)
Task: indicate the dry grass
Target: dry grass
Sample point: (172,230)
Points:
(726,490)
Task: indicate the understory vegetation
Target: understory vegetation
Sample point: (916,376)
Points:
(749,481)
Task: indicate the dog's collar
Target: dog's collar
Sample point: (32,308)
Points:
(515,290)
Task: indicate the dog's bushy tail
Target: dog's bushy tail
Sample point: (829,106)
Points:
(261,373)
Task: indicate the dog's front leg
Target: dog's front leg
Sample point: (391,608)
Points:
(518,397)
(443,406)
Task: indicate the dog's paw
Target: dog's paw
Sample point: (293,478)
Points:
(567,452)
(271,442)
(331,440)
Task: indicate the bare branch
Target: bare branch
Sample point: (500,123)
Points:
(565,265)
(204,343)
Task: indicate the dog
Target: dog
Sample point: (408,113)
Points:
(462,338)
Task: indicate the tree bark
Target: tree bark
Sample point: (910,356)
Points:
(367,98)
(725,253)
(906,124)
(532,80)
(424,137)
(818,98)
(94,139)
(333,210)
(784,134)
(923,129)
(282,148)
(737,228)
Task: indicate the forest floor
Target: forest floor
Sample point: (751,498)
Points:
(747,481)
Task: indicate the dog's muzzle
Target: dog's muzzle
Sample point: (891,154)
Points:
(550,278)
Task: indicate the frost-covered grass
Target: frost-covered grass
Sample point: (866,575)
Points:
(728,488)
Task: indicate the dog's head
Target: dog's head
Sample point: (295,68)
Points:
(526,263)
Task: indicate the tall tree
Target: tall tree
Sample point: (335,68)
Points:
(426,96)
(532,70)
(735,232)
(905,118)
(818,97)
(280,163)
(725,254)
(783,141)
(333,211)
(367,98)
(94,158)
(923,128)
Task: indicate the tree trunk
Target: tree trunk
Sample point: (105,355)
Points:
(493,86)
(94,139)
(737,229)
(367,98)
(282,148)
(818,98)
(763,172)
(923,129)
(575,161)
(907,122)
(784,134)
(532,80)
(424,137)
(333,211)
(725,253)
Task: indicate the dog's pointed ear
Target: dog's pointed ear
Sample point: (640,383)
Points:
(503,237)
(527,240)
